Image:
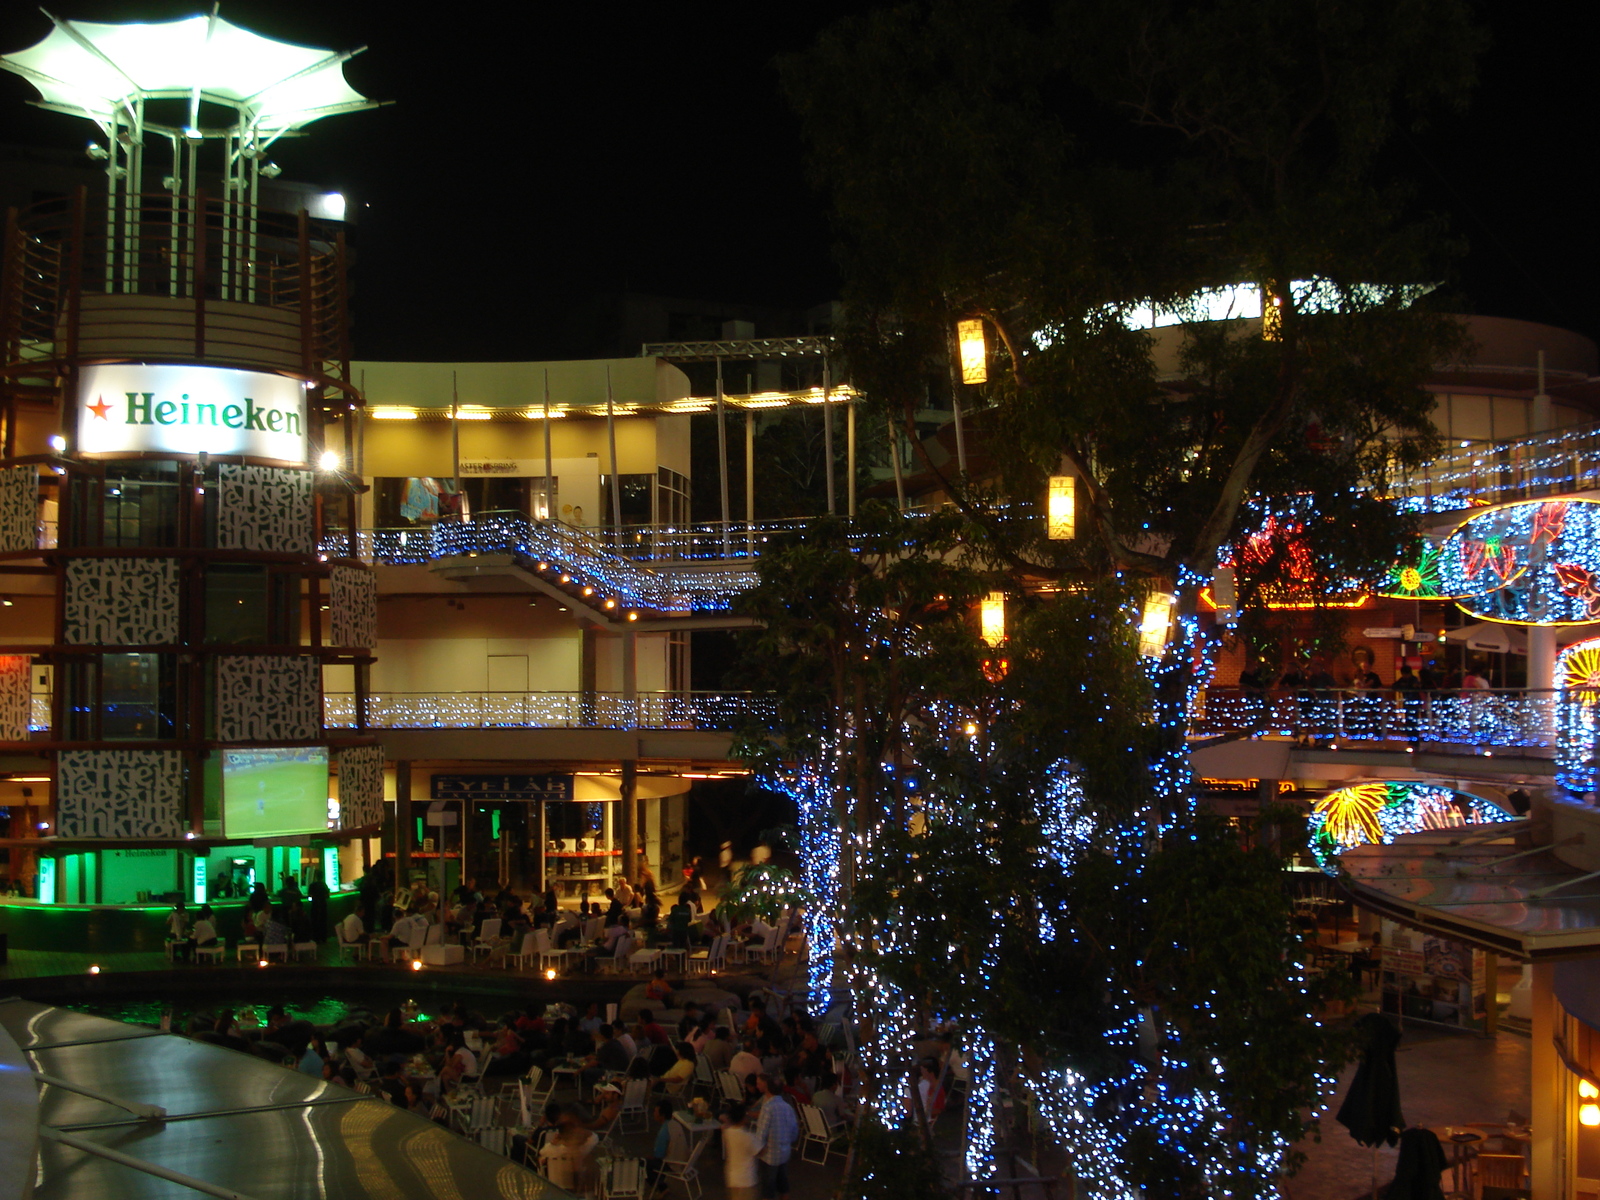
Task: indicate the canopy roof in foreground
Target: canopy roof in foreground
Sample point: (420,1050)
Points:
(1497,887)
(237,1124)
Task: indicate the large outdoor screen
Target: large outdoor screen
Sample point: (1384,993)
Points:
(271,793)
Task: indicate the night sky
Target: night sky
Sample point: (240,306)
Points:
(541,156)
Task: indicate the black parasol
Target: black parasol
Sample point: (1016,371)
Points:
(1371,1108)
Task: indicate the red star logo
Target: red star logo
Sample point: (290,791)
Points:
(100,408)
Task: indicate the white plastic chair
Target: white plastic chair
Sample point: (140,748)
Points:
(703,1076)
(617,962)
(281,949)
(817,1133)
(626,1181)
(522,956)
(488,938)
(310,948)
(683,1172)
(360,950)
(216,950)
(635,1101)
(728,1085)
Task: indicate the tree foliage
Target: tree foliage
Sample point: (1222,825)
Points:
(1016,839)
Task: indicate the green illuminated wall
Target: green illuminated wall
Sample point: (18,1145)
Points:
(129,872)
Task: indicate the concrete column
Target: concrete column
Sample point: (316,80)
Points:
(402,823)
(630,819)
(1549,1118)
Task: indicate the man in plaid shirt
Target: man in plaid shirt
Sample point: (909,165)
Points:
(777,1129)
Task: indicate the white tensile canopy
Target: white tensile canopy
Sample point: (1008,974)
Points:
(97,70)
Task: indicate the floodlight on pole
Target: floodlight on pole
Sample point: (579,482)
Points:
(974,351)
(1062,508)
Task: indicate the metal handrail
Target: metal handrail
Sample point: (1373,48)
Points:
(1476,717)
(703,711)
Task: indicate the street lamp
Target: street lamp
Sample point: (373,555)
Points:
(1062,508)
(974,352)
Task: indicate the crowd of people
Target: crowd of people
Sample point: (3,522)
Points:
(419,1064)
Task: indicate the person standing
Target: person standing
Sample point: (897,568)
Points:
(777,1128)
(317,893)
(739,1149)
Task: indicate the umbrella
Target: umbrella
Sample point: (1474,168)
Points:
(1371,1108)
(1489,635)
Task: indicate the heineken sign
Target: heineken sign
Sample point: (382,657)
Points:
(130,407)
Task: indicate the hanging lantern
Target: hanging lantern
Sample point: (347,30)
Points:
(1062,511)
(1271,315)
(1589,1114)
(974,353)
(1155,623)
(992,618)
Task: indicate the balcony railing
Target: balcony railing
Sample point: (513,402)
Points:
(1542,464)
(708,711)
(1481,719)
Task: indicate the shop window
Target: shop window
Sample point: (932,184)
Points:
(635,495)
(132,506)
(116,697)
(250,606)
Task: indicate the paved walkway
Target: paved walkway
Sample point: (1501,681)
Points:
(1445,1079)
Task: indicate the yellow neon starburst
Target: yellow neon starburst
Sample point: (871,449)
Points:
(1350,815)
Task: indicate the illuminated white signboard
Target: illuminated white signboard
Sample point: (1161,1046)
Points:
(130,407)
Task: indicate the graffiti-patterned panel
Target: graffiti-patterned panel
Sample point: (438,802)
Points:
(16,704)
(360,786)
(122,601)
(19,508)
(120,794)
(263,508)
(353,604)
(268,699)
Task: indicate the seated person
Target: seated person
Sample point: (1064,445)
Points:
(353,929)
(204,932)
(178,932)
(651,1031)
(608,1058)
(672,1139)
(681,1074)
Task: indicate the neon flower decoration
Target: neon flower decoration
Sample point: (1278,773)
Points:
(1277,544)
(1577,674)
(1376,813)
(1417,578)
(1534,562)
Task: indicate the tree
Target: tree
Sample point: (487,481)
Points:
(1051,175)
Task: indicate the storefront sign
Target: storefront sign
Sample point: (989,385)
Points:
(131,407)
(501,787)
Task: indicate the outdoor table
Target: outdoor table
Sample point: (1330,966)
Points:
(1458,1142)
(571,1068)
(697,1130)
(643,958)
(674,954)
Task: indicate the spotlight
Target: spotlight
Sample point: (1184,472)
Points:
(94,969)
(97,152)
(550,973)
(633,616)
(58,443)
(271,170)
(329,461)
(261,962)
(416,964)
(7,602)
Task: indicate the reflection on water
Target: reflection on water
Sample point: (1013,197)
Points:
(322,1011)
